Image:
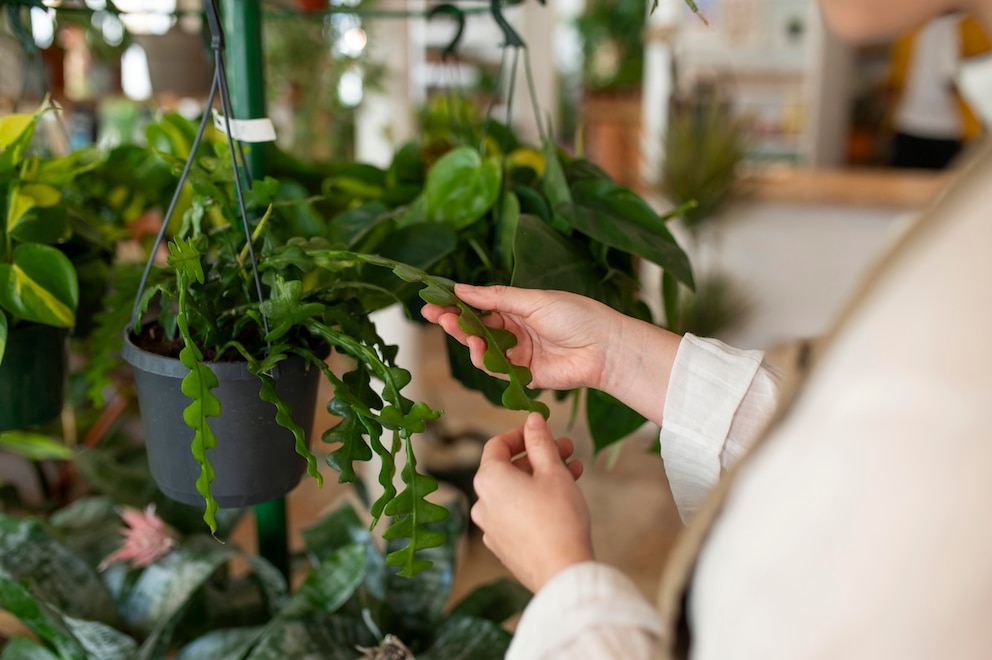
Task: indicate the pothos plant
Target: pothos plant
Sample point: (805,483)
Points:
(38,281)
(528,216)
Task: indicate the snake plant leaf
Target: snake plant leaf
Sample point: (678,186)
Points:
(463,638)
(496,601)
(100,640)
(28,552)
(36,214)
(40,285)
(22,648)
(16,131)
(312,635)
(332,532)
(330,584)
(619,218)
(227,643)
(163,591)
(43,622)
(461,187)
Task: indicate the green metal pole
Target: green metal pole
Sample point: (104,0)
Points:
(245,75)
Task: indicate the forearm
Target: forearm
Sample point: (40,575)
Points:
(638,366)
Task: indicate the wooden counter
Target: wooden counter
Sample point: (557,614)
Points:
(893,188)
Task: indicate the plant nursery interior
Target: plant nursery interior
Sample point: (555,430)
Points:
(227,431)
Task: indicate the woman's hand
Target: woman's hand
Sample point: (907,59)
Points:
(570,341)
(530,510)
(562,338)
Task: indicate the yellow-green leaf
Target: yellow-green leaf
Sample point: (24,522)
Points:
(36,214)
(40,285)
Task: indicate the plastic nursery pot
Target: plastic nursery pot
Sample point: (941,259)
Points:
(255,459)
(32,376)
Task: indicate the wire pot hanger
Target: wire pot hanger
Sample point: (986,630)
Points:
(242,177)
(512,40)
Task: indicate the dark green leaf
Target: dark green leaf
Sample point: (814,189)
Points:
(619,218)
(462,638)
(350,227)
(39,618)
(22,648)
(28,552)
(334,531)
(496,601)
(331,584)
(100,640)
(231,643)
(554,185)
(545,259)
(609,420)
(164,589)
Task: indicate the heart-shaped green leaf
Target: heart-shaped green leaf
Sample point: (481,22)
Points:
(40,285)
(36,214)
(619,218)
(461,186)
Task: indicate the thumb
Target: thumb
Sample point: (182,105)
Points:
(542,452)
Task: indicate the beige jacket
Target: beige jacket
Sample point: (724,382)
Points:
(860,525)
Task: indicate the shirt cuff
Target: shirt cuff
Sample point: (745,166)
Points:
(708,382)
(576,602)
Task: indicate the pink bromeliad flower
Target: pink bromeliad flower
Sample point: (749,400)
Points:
(146,538)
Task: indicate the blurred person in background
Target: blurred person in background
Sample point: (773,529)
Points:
(931,120)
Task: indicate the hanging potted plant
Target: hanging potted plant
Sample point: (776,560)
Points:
(228,340)
(39,289)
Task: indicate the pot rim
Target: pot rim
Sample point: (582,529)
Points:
(171,367)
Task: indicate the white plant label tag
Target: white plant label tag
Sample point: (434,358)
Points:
(247,130)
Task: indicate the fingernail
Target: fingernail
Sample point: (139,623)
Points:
(535,420)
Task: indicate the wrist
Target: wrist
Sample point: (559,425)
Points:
(639,366)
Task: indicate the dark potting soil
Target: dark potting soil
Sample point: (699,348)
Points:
(153,340)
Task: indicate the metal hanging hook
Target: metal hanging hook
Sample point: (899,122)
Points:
(511,35)
(456,13)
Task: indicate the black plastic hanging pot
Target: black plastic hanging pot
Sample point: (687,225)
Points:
(32,376)
(255,458)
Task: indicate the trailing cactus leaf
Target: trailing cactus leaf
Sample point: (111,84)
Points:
(412,514)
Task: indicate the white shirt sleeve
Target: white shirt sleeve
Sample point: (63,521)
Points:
(719,399)
(588,610)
